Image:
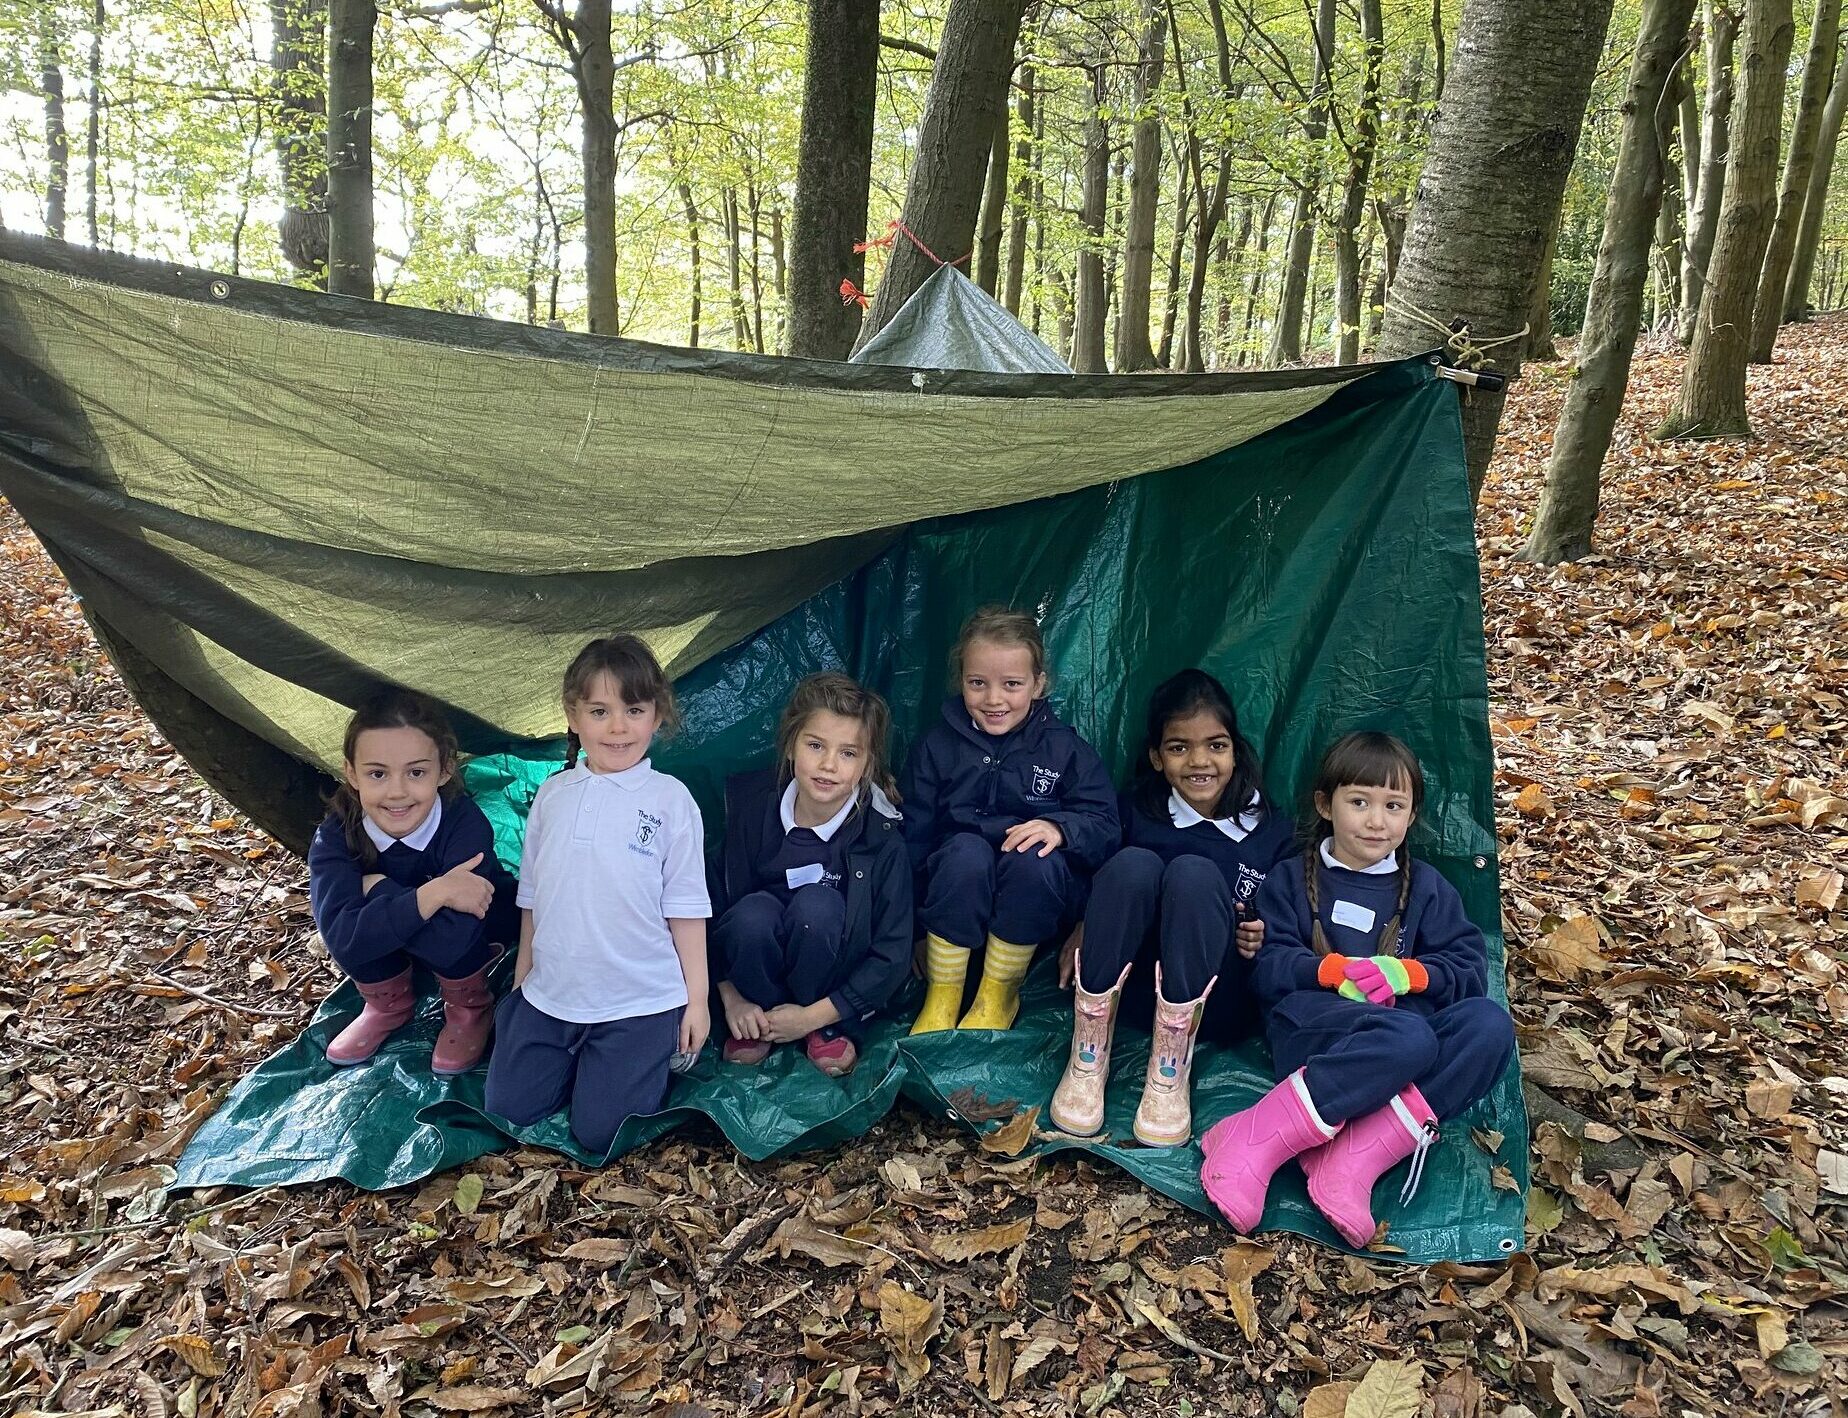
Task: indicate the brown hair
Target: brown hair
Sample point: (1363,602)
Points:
(639,680)
(391,708)
(1372,760)
(998,626)
(835,693)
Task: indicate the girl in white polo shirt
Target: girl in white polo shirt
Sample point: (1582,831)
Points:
(611,979)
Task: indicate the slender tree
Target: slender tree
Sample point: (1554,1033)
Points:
(968,87)
(1721,28)
(1818,75)
(834,165)
(298,42)
(1287,334)
(1354,189)
(1091,296)
(1491,188)
(351,257)
(1712,399)
(1562,528)
(994,204)
(57,143)
(1540,343)
(1816,198)
(93,123)
(1024,168)
(1133,350)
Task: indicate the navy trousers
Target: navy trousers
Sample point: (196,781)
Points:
(605,1073)
(793,952)
(449,944)
(1357,1056)
(974,890)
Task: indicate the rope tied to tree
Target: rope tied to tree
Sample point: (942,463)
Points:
(851,293)
(1463,351)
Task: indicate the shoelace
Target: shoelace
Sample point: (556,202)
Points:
(1428,1135)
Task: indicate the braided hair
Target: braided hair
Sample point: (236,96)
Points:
(639,678)
(1371,760)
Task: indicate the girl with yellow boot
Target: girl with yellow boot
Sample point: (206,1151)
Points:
(1199,839)
(1008,812)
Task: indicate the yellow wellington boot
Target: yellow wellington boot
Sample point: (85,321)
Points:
(997,997)
(946,966)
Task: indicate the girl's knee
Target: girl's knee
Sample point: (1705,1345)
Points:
(1483,1024)
(816,908)
(1129,869)
(1413,1040)
(1193,878)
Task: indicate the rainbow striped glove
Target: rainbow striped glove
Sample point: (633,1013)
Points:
(1377,979)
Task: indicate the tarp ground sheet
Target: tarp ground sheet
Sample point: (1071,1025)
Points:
(1325,569)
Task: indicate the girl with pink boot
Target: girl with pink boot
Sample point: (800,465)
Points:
(1199,840)
(403,871)
(1373,985)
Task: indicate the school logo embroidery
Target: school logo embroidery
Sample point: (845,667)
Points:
(1248,883)
(1044,781)
(646,825)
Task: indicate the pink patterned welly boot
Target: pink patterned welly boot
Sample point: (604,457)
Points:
(1164,1117)
(1078,1101)
(1245,1150)
(1342,1173)
(389,1006)
(468,1019)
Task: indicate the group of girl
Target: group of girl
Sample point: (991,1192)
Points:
(1189,903)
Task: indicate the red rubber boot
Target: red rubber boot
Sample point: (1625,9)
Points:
(389,1006)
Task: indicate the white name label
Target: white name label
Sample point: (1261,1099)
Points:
(1347,913)
(814,875)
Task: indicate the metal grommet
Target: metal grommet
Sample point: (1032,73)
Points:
(1481,862)
(1507,1245)
(220,289)
(858,875)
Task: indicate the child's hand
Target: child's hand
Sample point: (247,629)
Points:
(461,888)
(1370,980)
(1068,957)
(695,1025)
(787,1023)
(1249,936)
(1036,832)
(745,1020)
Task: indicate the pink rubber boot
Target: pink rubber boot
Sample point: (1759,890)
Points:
(1245,1150)
(468,1019)
(389,1006)
(1078,1101)
(1342,1173)
(1164,1117)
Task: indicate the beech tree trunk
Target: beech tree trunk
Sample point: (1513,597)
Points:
(57,142)
(93,123)
(298,46)
(1133,350)
(1562,528)
(994,204)
(1669,238)
(1816,199)
(691,211)
(1712,399)
(1088,318)
(1354,192)
(1722,30)
(1818,75)
(1489,196)
(593,66)
(834,170)
(1025,167)
(968,88)
(351,257)
(1287,334)
(1540,346)
(1171,300)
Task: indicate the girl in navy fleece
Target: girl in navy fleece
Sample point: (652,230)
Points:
(1373,982)
(404,870)
(1199,840)
(814,930)
(1007,813)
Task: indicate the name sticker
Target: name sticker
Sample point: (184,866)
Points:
(811,875)
(1355,917)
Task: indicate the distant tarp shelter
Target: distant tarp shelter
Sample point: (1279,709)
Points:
(952,323)
(272,502)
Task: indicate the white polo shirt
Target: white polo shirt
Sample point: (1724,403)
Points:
(609,857)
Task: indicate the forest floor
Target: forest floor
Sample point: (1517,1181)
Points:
(1671,722)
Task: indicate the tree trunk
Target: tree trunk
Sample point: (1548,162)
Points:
(1212,213)
(1689,111)
(834,168)
(1354,192)
(1540,346)
(968,89)
(57,142)
(1088,321)
(1569,503)
(1171,300)
(1260,268)
(1818,75)
(1133,350)
(1024,167)
(779,266)
(350,254)
(1287,334)
(1712,400)
(754,210)
(93,122)
(994,203)
(593,66)
(1816,199)
(1669,238)
(1489,196)
(298,45)
(1722,30)
(691,210)
(734,269)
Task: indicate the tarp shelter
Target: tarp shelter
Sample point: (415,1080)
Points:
(272,502)
(952,323)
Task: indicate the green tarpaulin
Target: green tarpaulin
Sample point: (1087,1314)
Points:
(271,502)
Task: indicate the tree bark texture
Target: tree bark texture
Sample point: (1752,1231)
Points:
(1354,190)
(593,66)
(57,141)
(834,169)
(1287,334)
(1091,297)
(1133,349)
(1722,30)
(968,88)
(298,74)
(994,204)
(1490,193)
(1780,252)
(1171,299)
(1712,399)
(351,257)
(93,123)
(691,211)
(1816,198)
(1562,528)
(1024,168)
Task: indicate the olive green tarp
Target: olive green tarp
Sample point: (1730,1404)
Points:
(271,502)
